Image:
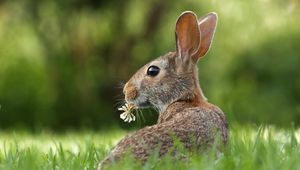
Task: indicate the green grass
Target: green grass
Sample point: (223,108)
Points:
(248,148)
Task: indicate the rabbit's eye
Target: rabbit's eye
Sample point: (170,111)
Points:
(153,71)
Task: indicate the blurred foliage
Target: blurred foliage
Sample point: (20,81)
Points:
(63,62)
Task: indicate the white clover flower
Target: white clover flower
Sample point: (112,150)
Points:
(127,115)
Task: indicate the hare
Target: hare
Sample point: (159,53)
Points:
(170,84)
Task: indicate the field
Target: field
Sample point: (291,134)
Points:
(251,147)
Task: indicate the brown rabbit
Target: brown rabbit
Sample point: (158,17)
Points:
(170,84)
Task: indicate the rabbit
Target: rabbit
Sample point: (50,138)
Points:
(170,84)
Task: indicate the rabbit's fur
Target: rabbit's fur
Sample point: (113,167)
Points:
(176,93)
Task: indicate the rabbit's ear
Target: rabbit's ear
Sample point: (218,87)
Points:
(187,35)
(207,26)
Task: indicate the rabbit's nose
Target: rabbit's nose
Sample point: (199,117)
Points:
(129,91)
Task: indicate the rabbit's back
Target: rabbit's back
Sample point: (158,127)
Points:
(193,127)
(208,123)
(204,122)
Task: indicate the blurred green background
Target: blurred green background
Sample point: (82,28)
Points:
(63,62)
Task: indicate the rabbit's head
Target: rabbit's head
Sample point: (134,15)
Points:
(174,76)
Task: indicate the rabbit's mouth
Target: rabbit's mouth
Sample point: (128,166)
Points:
(140,104)
(144,104)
